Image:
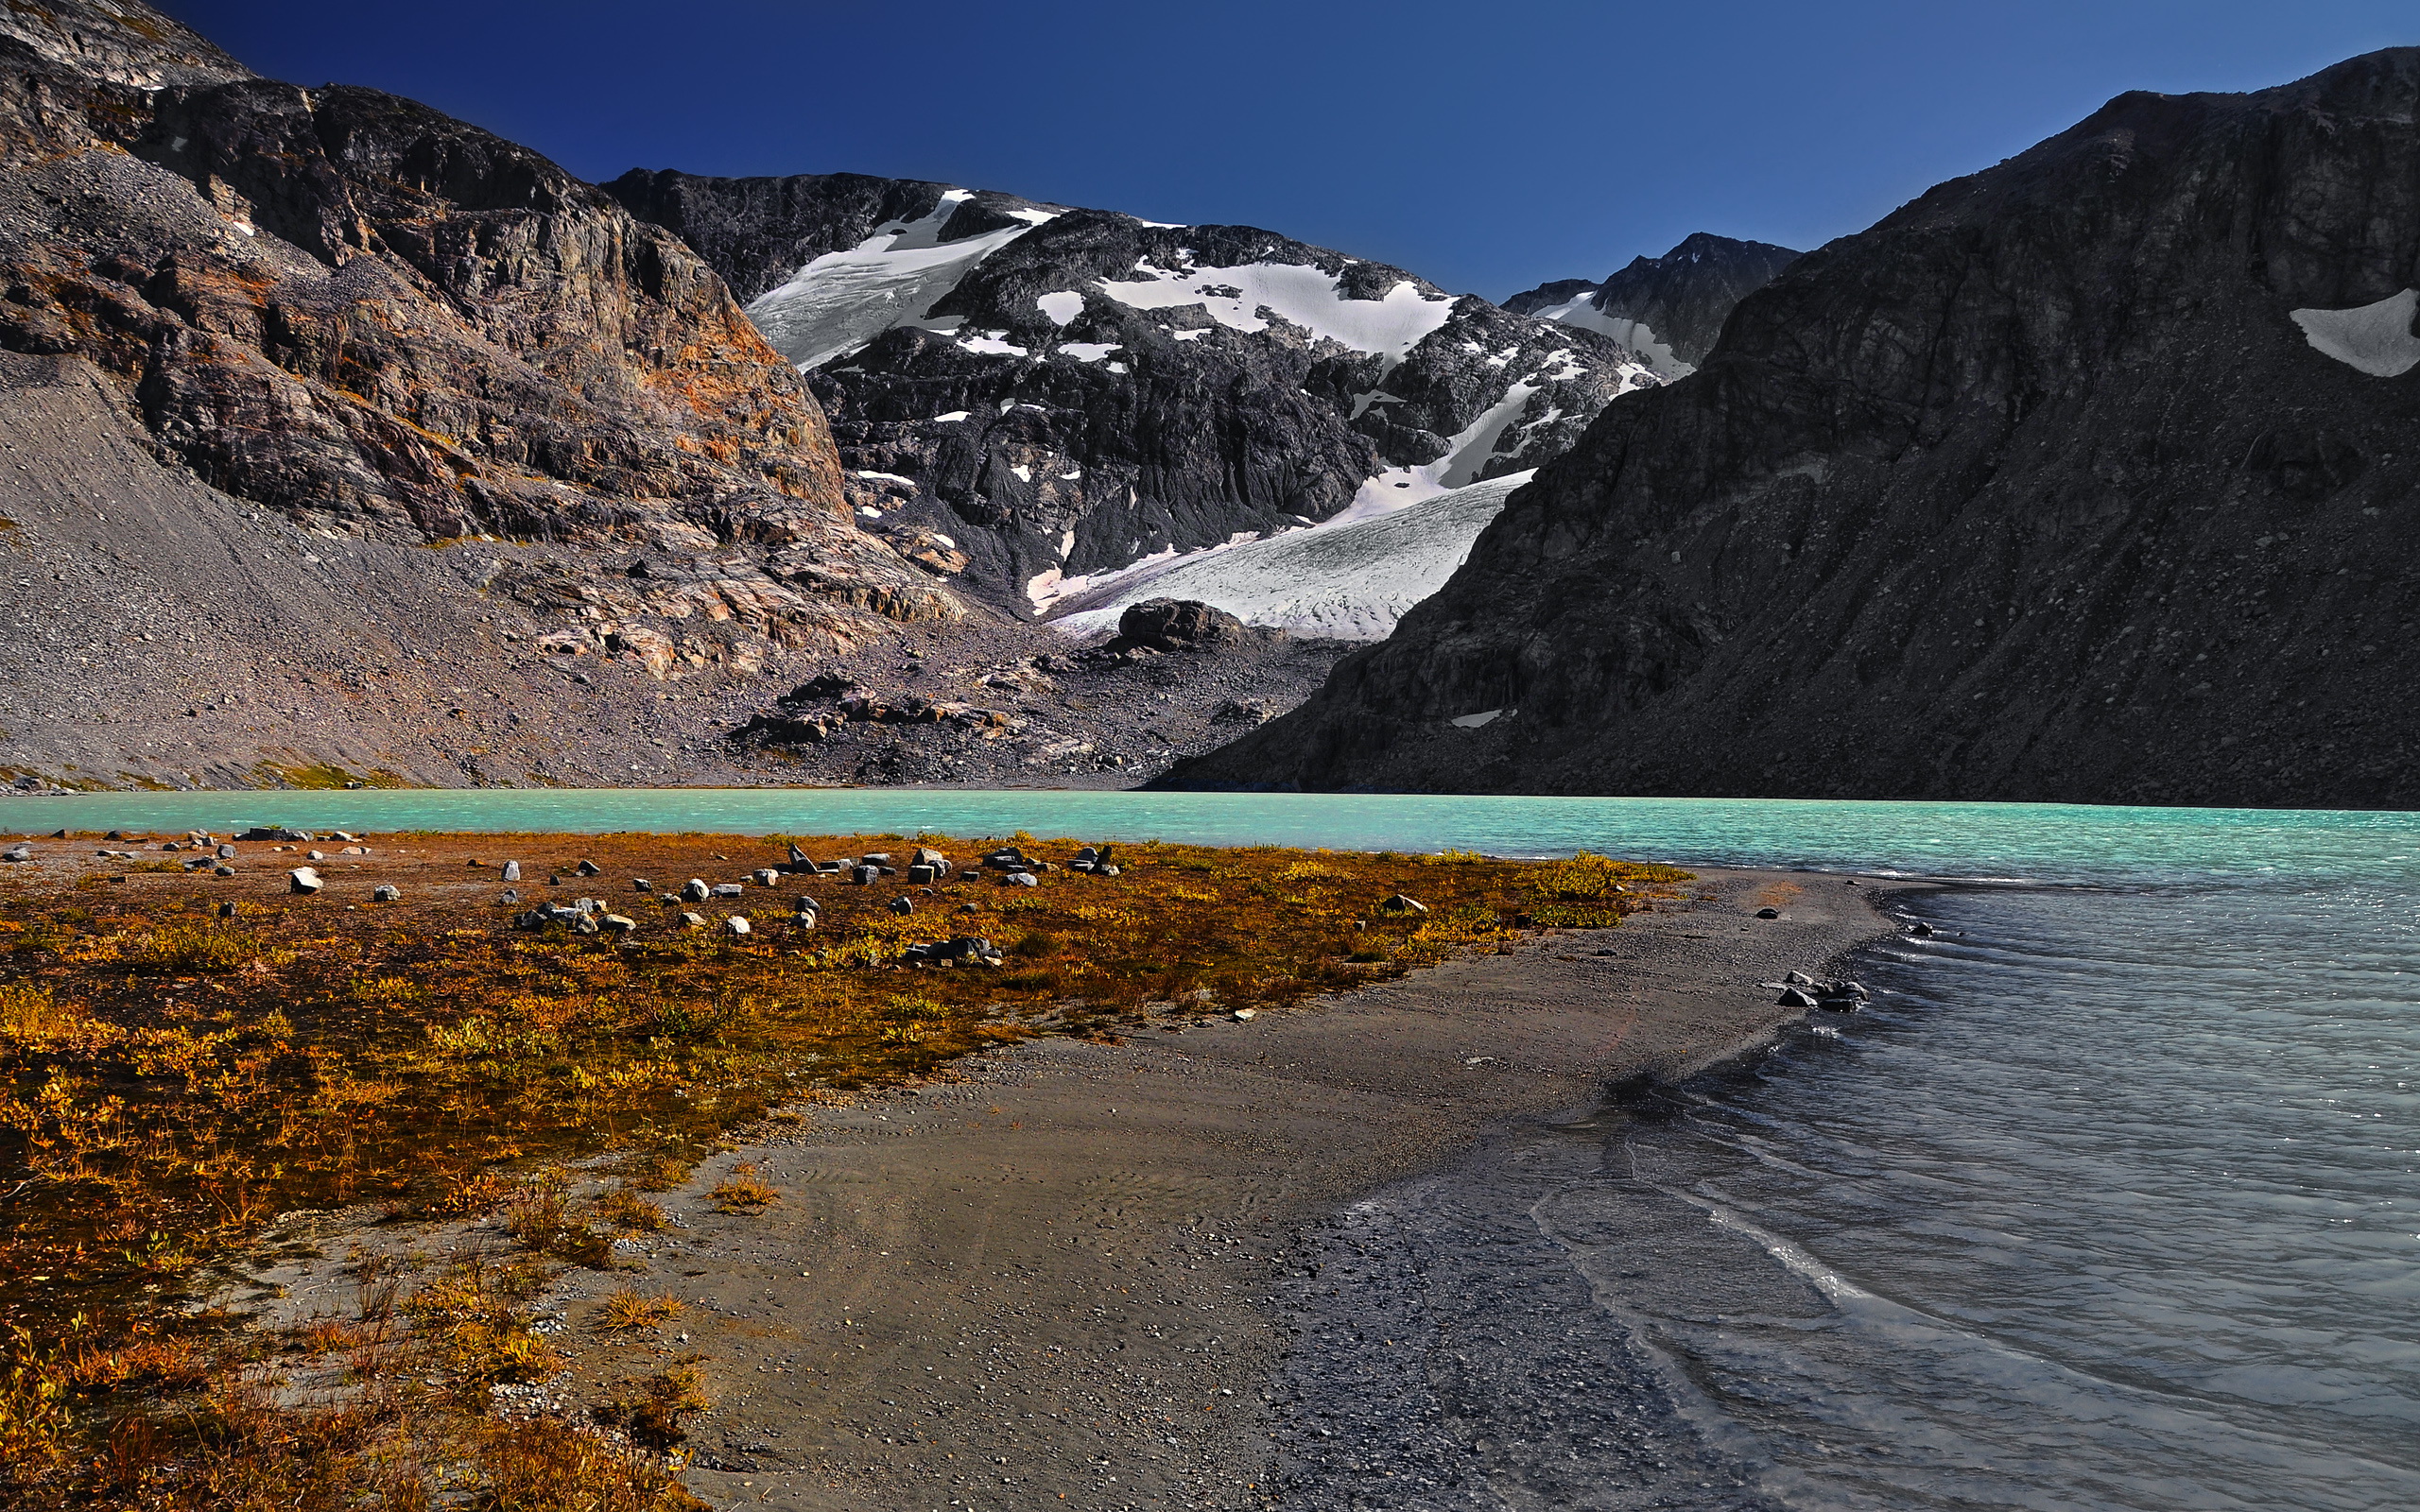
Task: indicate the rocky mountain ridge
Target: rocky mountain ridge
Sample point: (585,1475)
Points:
(1667,309)
(1031,397)
(2088,477)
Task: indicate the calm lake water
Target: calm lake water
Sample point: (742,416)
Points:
(2112,1200)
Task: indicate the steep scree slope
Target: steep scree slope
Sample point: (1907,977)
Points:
(1667,309)
(1032,396)
(2040,489)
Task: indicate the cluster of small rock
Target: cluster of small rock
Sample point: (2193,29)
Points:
(1800,990)
(963,950)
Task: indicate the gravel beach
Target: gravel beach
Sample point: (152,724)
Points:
(1070,1273)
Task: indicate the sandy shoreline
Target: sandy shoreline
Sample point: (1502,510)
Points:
(1057,1276)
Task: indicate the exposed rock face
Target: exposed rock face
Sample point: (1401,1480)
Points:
(1667,309)
(125,44)
(1032,396)
(2074,479)
(372,318)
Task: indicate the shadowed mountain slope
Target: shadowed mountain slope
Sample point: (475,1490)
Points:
(1667,309)
(2091,477)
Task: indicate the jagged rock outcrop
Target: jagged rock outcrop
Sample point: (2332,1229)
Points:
(2088,477)
(1031,395)
(129,44)
(354,310)
(1667,309)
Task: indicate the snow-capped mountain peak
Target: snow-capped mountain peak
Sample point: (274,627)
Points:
(1068,393)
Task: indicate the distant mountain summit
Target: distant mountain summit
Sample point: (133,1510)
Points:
(1035,398)
(1666,309)
(2089,477)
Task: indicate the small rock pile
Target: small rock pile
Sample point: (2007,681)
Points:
(1800,990)
(963,950)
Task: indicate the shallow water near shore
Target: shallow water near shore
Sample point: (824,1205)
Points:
(2110,1200)
(2107,1202)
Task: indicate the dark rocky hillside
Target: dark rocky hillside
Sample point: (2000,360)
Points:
(2091,477)
(1667,309)
(1043,393)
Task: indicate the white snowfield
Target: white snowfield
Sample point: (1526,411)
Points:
(1635,335)
(2375,339)
(1343,580)
(1388,327)
(842,300)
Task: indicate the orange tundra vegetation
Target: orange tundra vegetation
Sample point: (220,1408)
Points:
(176,1078)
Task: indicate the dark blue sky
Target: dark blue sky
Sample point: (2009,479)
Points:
(1486,147)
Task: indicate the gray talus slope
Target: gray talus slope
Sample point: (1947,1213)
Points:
(159,629)
(2038,489)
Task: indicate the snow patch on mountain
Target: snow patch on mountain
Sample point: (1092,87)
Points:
(1388,327)
(2375,339)
(842,300)
(1341,580)
(1581,311)
(1497,432)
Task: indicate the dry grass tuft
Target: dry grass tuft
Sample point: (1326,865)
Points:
(542,1467)
(743,1191)
(628,1309)
(654,1411)
(629,1212)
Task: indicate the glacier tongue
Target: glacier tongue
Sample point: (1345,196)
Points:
(1347,581)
